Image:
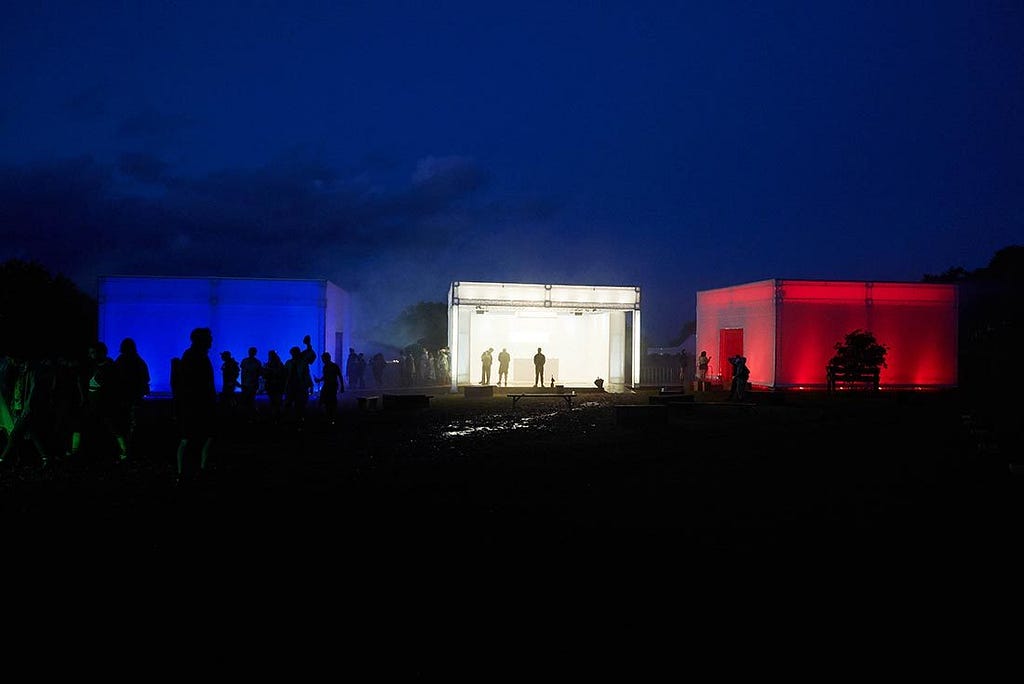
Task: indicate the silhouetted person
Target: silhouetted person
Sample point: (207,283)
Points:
(408,369)
(273,382)
(485,369)
(703,364)
(351,367)
(68,406)
(251,369)
(740,376)
(503,360)
(297,384)
(29,404)
(428,367)
(377,365)
(195,399)
(444,363)
(360,371)
(538,368)
(309,356)
(332,386)
(102,396)
(8,371)
(229,378)
(308,353)
(133,383)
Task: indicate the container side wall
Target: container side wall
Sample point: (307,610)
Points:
(337,323)
(159,313)
(916,321)
(921,334)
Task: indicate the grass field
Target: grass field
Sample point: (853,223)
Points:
(855,477)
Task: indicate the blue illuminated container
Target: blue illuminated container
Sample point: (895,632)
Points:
(266,313)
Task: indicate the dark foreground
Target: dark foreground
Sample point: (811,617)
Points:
(854,479)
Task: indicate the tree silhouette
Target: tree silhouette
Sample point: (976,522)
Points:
(42,315)
(424,324)
(991,318)
(859,352)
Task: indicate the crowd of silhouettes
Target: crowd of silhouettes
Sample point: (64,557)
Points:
(49,406)
(62,408)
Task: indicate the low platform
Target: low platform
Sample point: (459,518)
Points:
(369,403)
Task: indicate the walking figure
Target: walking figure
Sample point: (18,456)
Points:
(195,399)
(332,386)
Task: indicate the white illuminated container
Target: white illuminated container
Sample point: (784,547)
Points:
(266,313)
(586,332)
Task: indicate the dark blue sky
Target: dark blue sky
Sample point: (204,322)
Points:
(396,146)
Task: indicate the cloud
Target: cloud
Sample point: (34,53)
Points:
(295,217)
(150,124)
(447,175)
(88,104)
(143,167)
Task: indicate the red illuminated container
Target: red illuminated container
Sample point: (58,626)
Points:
(788,329)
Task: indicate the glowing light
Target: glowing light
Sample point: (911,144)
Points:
(789,328)
(581,330)
(159,313)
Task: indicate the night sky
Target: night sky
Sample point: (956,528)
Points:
(393,147)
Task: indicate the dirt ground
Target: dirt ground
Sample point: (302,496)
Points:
(850,478)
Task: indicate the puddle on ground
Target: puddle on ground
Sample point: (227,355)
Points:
(468,428)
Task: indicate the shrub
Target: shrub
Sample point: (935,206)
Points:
(859,351)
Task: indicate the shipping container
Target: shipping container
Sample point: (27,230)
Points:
(788,329)
(586,332)
(159,313)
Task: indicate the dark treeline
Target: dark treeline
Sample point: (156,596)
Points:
(991,313)
(43,315)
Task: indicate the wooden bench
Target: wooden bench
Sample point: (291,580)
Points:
(837,376)
(567,396)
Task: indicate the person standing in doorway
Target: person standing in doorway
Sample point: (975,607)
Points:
(538,368)
(503,360)
(485,369)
